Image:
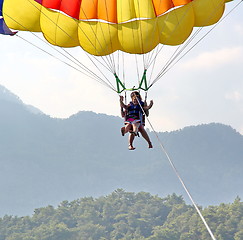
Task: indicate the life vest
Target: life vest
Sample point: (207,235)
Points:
(134,111)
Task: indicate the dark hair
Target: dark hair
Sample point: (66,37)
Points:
(137,94)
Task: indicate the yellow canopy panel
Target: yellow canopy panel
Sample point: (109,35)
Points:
(101,27)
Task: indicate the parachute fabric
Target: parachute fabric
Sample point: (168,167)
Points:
(102,27)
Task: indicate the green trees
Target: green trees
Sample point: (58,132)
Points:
(125,216)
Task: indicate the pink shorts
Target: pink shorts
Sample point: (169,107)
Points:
(132,121)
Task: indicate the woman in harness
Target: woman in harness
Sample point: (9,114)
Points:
(134,118)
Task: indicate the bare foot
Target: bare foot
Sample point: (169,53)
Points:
(150,145)
(130,147)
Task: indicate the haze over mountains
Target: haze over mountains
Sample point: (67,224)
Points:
(46,160)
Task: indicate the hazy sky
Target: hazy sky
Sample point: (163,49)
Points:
(205,86)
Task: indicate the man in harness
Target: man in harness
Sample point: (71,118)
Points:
(134,118)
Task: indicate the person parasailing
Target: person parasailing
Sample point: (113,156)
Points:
(134,118)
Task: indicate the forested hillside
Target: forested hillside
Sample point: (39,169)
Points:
(45,160)
(126,216)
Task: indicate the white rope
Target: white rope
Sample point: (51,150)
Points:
(177,174)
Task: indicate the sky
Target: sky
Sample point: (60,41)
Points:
(204,86)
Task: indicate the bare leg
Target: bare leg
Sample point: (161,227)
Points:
(126,129)
(145,136)
(130,141)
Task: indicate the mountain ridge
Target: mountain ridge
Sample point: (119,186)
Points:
(46,160)
(6,95)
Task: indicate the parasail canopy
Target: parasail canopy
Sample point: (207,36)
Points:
(109,29)
(102,27)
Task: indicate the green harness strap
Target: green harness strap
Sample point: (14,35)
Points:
(143,81)
(142,84)
(119,84)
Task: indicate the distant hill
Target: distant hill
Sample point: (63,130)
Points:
(46,160)
(6,95)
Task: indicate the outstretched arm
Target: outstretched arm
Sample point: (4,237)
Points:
(149,106)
